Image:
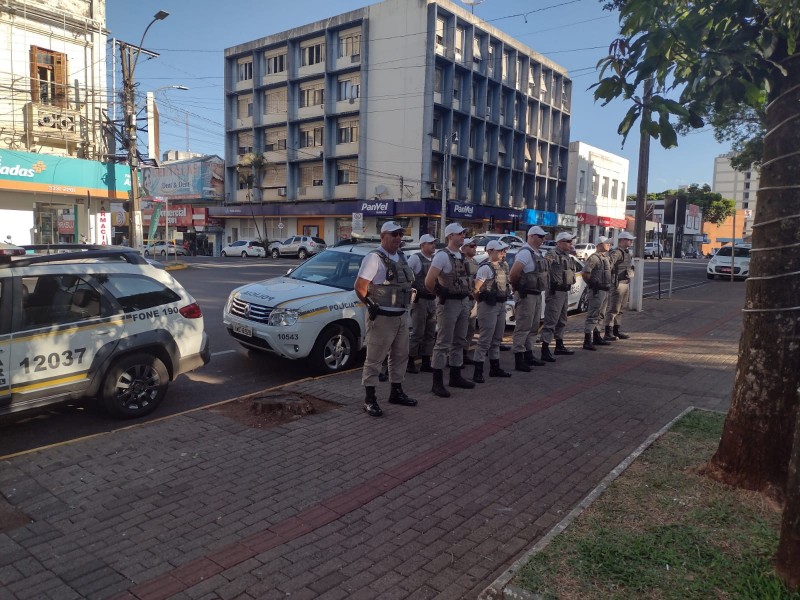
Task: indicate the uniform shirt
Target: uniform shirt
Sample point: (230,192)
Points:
(441,260)
(485,273)
(526,260)
(416,263)
(373,270)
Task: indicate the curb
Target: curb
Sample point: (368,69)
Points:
(176,267)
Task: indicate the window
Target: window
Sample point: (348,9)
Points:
(350,88)
(347,132)
(275,175)
(310,137)
(490,67)
(244,71)
(622,190)
(310,175)
(440,32)
(136,293)
(474,97)
(276,63)
(595,183)
(54,299)
(437,80)
(437,127)
(582,182)
(506,65)
(346,172)
(275,101)
(476,49)
(244,106)
(614,184)
(520,71)
(312,55)
(49,77)
(245,142)
(275,139)
(349,45)
(459,42)
(605,187)
(473,136)
(312,94)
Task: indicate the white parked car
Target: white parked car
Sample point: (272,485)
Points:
(584,251)
(301,246)
(163,248)
(245,248)
(482,239)
(721,264)
(653,250)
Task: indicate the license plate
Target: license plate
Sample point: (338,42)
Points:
(243,330)
(724,269)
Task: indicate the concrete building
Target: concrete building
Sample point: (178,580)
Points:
(596,191)
(390,112)
(54,185)
(741,187)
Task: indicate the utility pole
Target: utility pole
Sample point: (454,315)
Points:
(451,139)
(641,205)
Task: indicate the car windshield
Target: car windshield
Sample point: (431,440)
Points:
(581,246)
(336,269)
(738,252)
(257,244)
(481,240)
(318,240)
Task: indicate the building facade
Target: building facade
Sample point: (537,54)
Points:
(741,187)
(393,111)
(596,191)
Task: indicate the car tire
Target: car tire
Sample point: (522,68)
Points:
(224,254)
(244,254)
(148,377)
(302,254)
(334,350)
(583,302)
(275,253)
(146,252)
(163,253)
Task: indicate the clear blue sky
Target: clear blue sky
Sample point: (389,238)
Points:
(573,33)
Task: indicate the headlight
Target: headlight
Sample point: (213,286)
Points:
(229,302)
(283,317)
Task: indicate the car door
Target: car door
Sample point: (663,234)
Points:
(291,245)
(6,302)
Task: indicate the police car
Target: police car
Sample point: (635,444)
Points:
(312,313)
(93,321)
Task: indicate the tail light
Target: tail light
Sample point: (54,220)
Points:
(311,244)
(191,311)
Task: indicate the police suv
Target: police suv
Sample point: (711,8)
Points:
(93,321)
(311,313)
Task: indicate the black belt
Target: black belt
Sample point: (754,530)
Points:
(390,313)
(626,278)
(455,296)
(426,295)
(532,292)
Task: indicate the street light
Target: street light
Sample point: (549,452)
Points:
(453,139)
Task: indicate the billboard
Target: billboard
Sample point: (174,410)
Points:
(193,179)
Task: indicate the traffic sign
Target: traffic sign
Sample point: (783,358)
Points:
(358,222)
(280,225)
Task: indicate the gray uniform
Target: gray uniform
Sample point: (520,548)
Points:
(598,282)
(390,286)
(423,310)
(452,309)
(562,278)
(622,273)
(528,298)
(491,310)
(472,269)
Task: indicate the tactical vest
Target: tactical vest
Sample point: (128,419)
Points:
(455,284)
(538,279)
(495,290)
(419,278)
(622,264)
(472,269)
(562,271)
(395,292)
(600,274)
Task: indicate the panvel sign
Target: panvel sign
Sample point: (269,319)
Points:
(185,180)
(377,208)
(32,172)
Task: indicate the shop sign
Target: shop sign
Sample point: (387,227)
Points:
(103,225)
(178,215)
(377,208)
(567,220)
(197,178)
(461,210)
(66,225)
(539,217)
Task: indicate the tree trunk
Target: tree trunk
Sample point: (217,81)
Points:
(757,437)
(787,563)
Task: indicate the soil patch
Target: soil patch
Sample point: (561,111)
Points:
(273,408)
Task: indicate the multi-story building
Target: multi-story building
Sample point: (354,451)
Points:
(739,186)
(393,111)
(596,189)
(53,183)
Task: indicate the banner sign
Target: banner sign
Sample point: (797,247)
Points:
(195,179)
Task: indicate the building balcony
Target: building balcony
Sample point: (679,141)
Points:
(243,123)
(242,195)
(309,70)
(311,112)
(347,61)
(241,86)
(309,192)
(274,118)
(350,149)
(275,156)
(274,78)
(346,190)
(346,106)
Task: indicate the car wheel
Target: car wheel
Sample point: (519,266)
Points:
(223,253)
(163,253)
(335,349)
(244,254)
(583,303)
(146,252)
(301,254)
(134,386)
(275,253)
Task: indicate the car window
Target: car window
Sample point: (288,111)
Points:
(738,252)
(135,292)
(318,240)
(336,269)
(257,244)
(58,299)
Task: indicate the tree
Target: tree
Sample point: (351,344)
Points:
(715,208)
(705,57)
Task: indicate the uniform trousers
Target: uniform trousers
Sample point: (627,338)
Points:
(617,302)
(451,333)
(423,327)
(555,316)
(473,318)
(527,315)
(491,327)
(595,310)
(386,336)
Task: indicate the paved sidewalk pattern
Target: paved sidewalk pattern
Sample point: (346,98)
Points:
(427,502)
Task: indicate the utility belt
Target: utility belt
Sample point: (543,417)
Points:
(425,295)
(390,313)
(623,277)
(560,288)
(525,293)
(490,299)
(449,296)
(597,287)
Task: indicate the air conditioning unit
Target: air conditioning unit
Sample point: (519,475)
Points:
(354,58)
(281,191)
(301,191)
(436,187)
(316,182)
(46,121)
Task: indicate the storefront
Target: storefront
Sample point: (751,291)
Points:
(590,226)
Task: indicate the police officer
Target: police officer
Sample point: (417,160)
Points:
(529,277)
(384,285)
(449,280)
(423,310)
(491,291)
(562,278)
(621,275)
(597,275)
(469,249)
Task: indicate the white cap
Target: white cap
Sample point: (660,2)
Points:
(603,240)
(536,230)
(453,228)
(564,235)
(496,245)
(467,242)
(426,239)
(390,226)
(626,236)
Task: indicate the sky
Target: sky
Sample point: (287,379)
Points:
(190,42)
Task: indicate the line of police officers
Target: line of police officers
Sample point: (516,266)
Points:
(446,290)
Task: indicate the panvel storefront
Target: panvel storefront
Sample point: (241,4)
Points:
(48,199)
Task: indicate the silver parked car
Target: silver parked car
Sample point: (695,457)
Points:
(245,248)
(301,246)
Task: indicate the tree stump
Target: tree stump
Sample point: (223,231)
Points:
(284,405)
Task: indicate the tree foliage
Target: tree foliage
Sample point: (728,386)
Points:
(715,208)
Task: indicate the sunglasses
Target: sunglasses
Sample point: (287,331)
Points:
(471,246)
(398,233)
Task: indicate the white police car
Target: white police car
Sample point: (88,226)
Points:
(91,321)
(312,313)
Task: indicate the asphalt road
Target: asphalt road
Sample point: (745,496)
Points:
(233,370)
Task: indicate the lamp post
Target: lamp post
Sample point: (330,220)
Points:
(453,139)
(153,126)
(129,59)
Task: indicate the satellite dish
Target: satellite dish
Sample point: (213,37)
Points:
(472,3)
(380,190)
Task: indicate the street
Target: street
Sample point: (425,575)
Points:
(233,370)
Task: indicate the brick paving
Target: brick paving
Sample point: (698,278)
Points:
(427,502)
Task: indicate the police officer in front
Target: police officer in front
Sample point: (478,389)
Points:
(597,275)
(621,275)
(529,277)
(384,285)
(423,310)
(449,280)
(562,278)
(491,291)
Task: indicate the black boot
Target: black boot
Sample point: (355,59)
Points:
(457,381)
(520,364)
(438,384)
(467,359)
(609,337)
(398,396)
(562,349)
(371,403)
(426,365)
(598,340)
(495,370)
(546,356)
(477,375)
(587,342)
(619,334)
(531,360)
(412,367)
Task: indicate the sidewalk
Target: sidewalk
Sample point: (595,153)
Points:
(427,502)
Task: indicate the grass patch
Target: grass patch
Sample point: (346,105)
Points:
(662,531)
